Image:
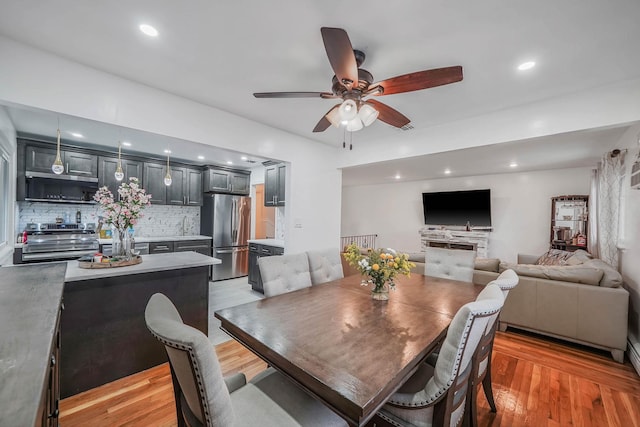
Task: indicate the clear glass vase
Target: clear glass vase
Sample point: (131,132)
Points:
(380,292)
(121,246)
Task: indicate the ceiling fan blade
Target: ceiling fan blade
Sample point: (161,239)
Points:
(340,53)
(389,115)
(420,80)
(294,95)
(324,123)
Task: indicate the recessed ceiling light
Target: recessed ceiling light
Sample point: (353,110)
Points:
(126,143)
(167,151)
(76,134)
(200,157)
(513,165)
(229,162)
(397,176)
(447,171)
(245,158)
(148,30)
(526,65)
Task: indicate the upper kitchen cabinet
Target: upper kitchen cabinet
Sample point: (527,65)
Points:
(274,184)
(153,182)
(107,168)
(40,159)
(185,188)
(219,180)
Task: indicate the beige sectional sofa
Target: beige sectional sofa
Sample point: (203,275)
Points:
(582,301)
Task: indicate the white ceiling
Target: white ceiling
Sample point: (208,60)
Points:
(219,53)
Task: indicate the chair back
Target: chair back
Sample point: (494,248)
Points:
(455,264)
(507,280)
(284,273)
(195,369)
(325,265)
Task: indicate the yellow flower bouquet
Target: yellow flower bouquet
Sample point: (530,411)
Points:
(381,266)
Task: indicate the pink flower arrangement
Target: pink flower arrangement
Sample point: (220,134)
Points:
(124,213)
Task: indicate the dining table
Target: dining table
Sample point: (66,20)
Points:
(343,347)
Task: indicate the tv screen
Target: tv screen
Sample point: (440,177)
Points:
(457,207)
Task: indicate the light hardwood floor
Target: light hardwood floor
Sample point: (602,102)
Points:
(537,383)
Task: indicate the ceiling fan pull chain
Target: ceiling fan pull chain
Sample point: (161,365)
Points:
(344,138)
(351,141)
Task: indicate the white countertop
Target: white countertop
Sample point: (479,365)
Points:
(268,242)
(159,239)
(149,264)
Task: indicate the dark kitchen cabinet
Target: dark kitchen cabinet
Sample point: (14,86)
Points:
(257,251)
(40,159)
(176,191)
(107,168)
(274,184)
(227,181)
(160,247)
(194,187)
(201,246)
(153,180)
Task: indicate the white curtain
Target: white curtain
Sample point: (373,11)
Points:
(605,208)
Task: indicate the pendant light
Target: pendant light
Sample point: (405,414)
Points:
(57,166)
(119,173)
(167,177)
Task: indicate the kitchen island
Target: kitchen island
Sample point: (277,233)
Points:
(103,331)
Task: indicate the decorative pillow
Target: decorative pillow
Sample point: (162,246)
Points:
(611,277)
(579,257)
(554,257)
(487,264)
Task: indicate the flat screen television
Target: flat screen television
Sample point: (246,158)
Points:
(457,207)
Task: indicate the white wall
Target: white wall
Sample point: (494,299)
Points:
(34,78)
(8,144)
(629,256)
(520,208)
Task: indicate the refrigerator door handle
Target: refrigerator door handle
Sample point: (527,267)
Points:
(224,251)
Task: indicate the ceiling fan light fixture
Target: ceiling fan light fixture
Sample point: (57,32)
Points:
(354,125)
(348,110)
(367,114)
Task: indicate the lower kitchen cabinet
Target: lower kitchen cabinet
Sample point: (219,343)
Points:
(160,247)
(201,246)
(257,251)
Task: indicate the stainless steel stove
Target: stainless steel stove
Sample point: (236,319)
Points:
(54,242)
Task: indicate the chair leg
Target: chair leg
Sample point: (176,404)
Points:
(488,391)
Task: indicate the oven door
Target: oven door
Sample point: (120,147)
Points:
(55,256)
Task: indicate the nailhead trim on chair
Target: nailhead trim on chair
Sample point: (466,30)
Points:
(456,366)
(194,364)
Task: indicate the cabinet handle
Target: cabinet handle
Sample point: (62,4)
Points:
(54,414)
(53,360)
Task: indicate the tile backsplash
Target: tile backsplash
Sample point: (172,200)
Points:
(157,220)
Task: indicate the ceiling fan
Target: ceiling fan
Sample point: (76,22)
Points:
(354,85)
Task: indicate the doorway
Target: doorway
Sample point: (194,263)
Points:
(265,216)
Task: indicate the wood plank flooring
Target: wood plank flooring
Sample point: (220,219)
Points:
(536,382)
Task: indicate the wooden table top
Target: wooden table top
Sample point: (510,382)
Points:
(345,348)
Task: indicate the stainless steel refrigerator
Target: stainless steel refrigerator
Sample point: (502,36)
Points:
(227,219)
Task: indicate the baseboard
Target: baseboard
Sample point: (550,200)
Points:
(634,355)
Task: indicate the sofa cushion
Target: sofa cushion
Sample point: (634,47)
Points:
(416,256)
(611,278)
(554,257)
(487,264)
(577,273)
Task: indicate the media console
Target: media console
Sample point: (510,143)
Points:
(456,239)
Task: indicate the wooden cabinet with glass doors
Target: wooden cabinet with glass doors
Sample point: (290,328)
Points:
(569,222)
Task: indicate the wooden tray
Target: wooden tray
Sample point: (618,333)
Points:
(111,264)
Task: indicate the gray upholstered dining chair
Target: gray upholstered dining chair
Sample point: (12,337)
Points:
(455,264)
(436,394)
(325,265)
(204,398)
(284,273)
(481,372)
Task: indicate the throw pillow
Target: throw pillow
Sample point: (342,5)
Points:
(554,257)
(487,264)
(579,257)
(611,277)
(576,274)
